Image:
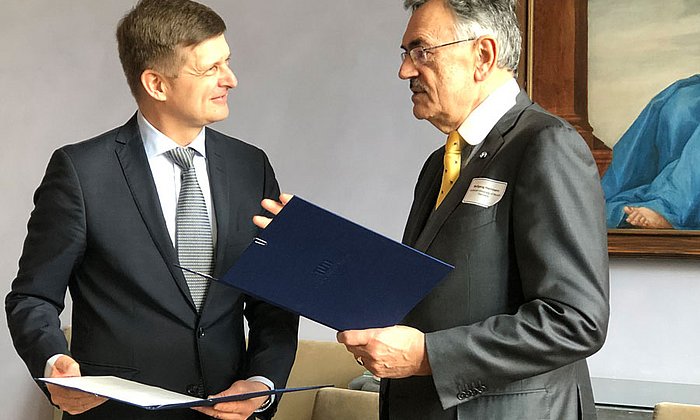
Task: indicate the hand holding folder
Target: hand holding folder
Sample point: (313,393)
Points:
(273,207)
(152,397)
(70,400)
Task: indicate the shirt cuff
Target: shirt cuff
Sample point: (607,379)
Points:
(268,383)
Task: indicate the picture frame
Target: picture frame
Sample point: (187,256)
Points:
(554,71)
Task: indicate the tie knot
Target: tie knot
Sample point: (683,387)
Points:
(181,156)
(454,143)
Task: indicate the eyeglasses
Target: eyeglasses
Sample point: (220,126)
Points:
(419,55)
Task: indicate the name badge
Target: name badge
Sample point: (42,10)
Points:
(485,192)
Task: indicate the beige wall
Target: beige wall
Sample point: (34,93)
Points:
(636,48)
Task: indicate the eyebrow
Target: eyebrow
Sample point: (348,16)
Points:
(211,64)
(418,42)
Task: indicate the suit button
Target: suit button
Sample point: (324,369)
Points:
(462,395)
(200,333)
(193,390)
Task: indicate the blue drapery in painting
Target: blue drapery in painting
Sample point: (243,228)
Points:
(656,163)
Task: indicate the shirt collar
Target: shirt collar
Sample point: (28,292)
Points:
(485,116)
(157,143)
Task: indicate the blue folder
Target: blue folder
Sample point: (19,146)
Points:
(333,271)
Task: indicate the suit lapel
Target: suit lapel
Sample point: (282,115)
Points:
(425,196)
(493,142)
(137,172)
(217,168)
(227,180)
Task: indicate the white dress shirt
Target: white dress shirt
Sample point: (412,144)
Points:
(484,117)
(166,174)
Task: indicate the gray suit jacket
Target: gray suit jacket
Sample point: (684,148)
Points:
(97,229)
(509,329)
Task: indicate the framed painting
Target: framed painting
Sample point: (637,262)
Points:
(626,52)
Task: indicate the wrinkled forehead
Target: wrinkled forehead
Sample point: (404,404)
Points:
(429,24)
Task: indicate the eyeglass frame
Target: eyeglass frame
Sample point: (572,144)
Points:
(413,51)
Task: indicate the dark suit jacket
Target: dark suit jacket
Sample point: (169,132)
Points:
(97,229)
(509,329)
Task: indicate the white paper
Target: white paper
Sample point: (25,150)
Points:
(153,397)
(123,390)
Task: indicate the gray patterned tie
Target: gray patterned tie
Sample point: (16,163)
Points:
(193,239)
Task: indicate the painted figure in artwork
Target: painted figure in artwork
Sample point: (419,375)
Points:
(653,181)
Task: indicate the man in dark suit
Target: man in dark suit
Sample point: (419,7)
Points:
(108,226)
(514,202)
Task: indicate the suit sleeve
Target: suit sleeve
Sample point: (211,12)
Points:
(558,241)
(272,340)
(55,242)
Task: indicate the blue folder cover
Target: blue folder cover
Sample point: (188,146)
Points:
(333,271)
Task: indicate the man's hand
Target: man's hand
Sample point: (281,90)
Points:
(69,400)
(236,410)
(273,207)
(392,352)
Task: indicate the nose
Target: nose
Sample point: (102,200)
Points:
(407,70)
(228,78)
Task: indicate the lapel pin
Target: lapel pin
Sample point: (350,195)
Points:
(483,155)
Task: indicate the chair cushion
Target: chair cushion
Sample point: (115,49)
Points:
(317,363)
(345,404)
(675,411)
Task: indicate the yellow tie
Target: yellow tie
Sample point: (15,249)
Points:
(453,163)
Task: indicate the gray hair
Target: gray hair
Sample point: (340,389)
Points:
(475,18)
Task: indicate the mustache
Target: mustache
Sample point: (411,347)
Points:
(416,86)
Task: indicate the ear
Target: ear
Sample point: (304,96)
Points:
(154,84)
(487,53)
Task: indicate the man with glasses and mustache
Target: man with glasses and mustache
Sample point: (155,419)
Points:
(514,202)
